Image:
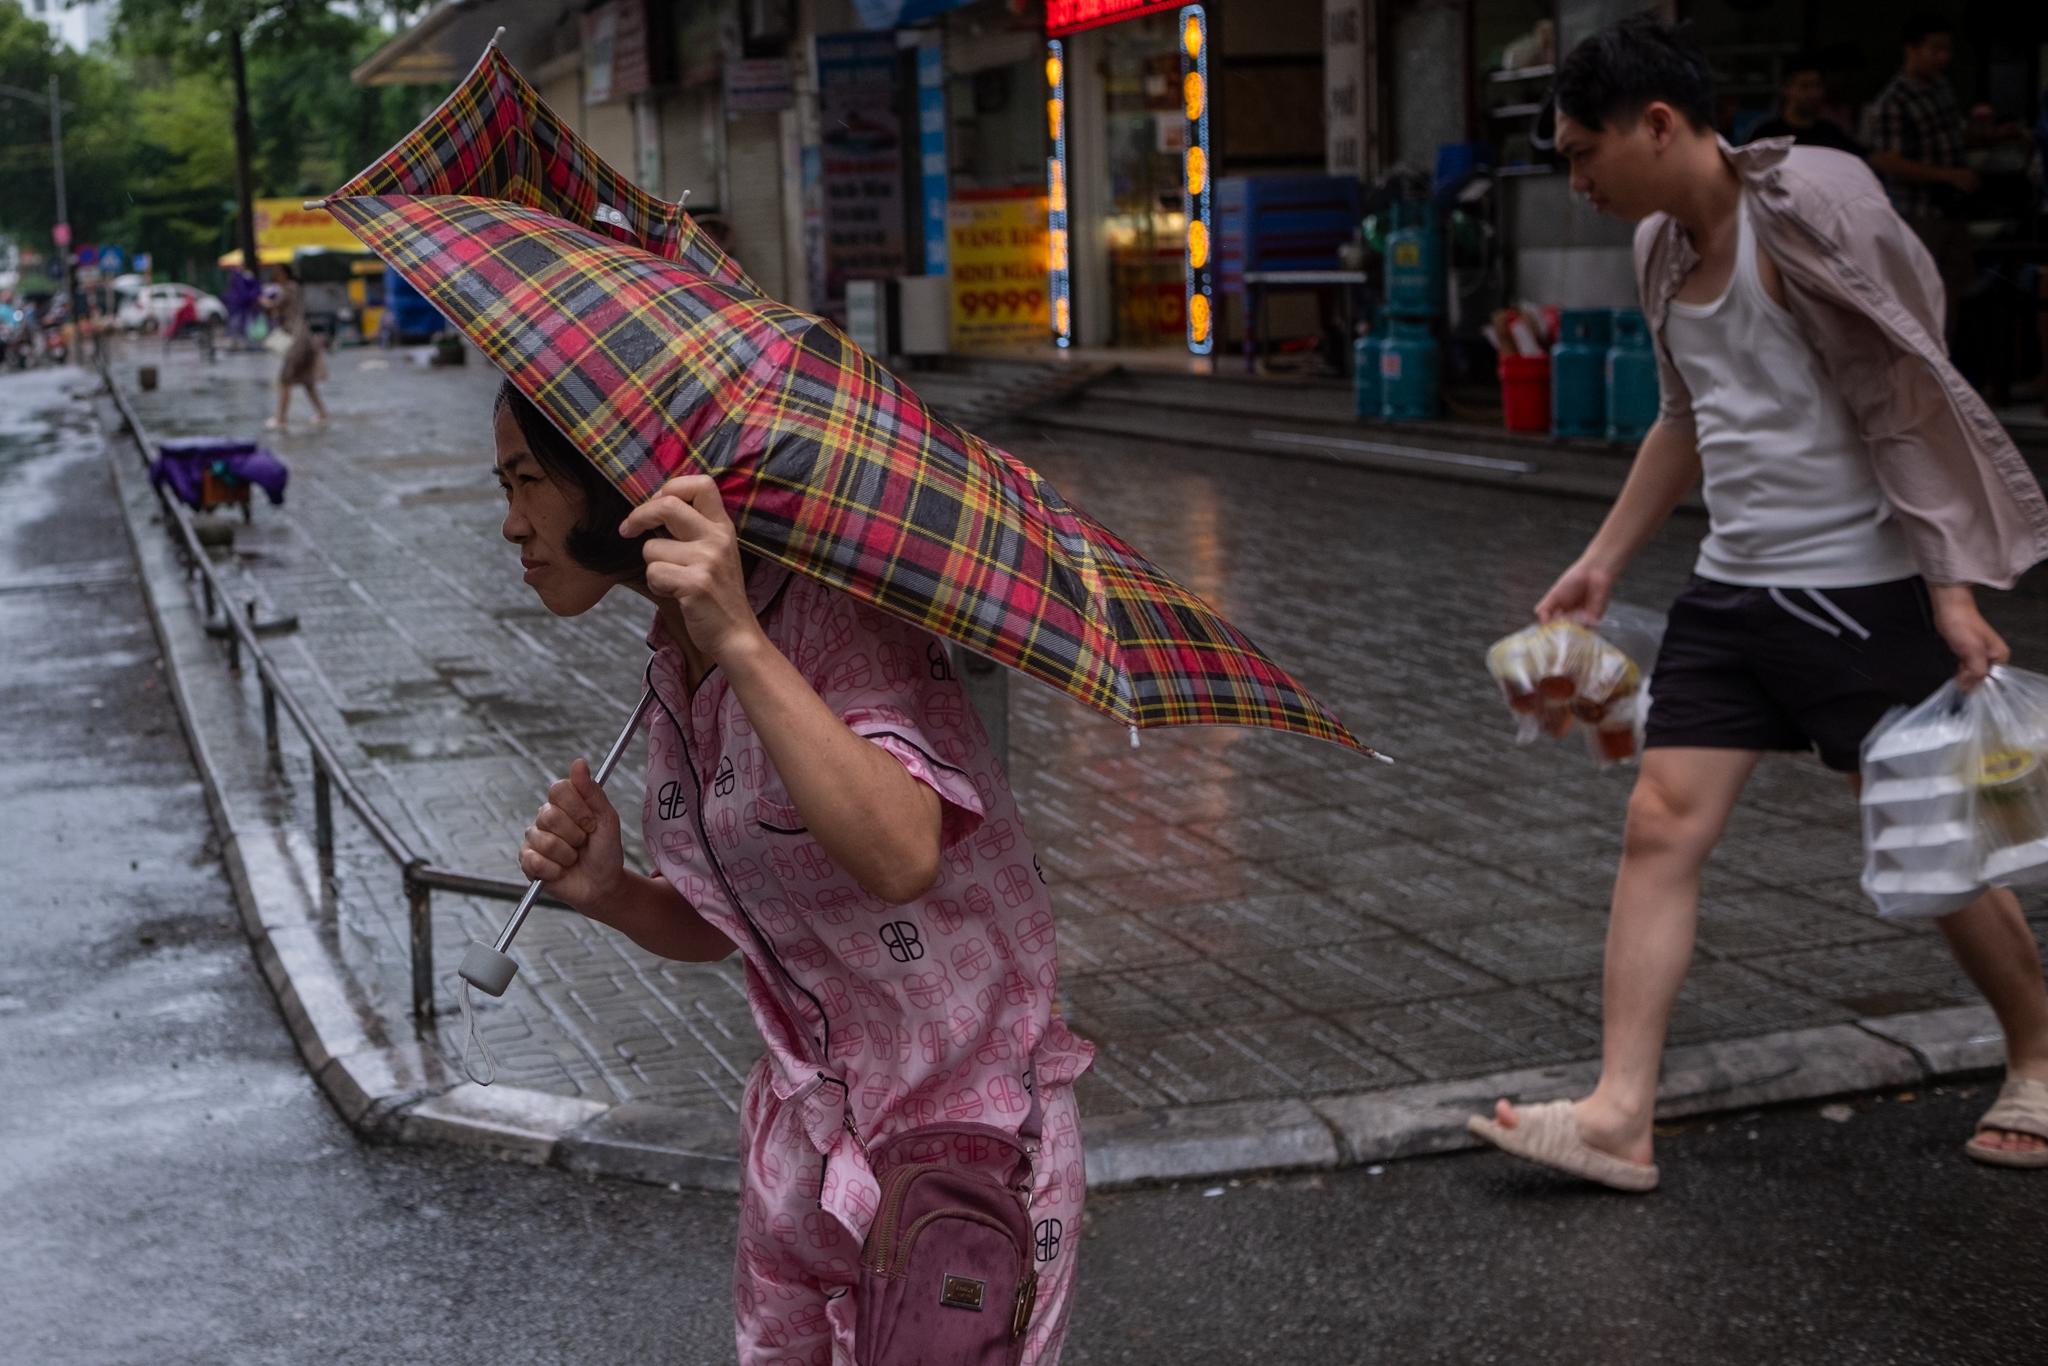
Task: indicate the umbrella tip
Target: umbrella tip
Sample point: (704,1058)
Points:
(1134,737)
(1383,758)
(314,204)
(496,36)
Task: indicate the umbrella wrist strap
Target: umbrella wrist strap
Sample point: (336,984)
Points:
(472,1041)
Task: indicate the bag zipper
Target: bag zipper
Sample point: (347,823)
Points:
(902,1267)
(882,1235)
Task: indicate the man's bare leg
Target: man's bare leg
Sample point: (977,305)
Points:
(1991,940)
(1676,814)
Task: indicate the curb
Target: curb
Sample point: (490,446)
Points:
(401,1089)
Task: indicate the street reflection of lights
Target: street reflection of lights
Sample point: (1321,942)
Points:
(1057,274)
(1196,186)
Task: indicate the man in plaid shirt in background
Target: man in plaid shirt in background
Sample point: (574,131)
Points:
(1917,146)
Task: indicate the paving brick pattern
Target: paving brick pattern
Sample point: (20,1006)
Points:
(1242,915)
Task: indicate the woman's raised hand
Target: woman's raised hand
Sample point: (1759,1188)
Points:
(573,845)
(697,564)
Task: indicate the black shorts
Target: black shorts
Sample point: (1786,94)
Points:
(1792,668)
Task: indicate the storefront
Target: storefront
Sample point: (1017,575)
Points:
(1152,105)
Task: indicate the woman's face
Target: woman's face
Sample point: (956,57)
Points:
(539,515)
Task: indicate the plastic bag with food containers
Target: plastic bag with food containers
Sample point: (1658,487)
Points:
(1955,796)
(1595,677)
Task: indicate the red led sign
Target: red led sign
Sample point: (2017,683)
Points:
(1071,16)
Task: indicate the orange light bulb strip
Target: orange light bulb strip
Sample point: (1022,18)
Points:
(1057,276)
(1195,194)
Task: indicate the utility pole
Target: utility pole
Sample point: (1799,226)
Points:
(245,156)
(63,217)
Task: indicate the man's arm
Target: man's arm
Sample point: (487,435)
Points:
(1888,158)
(1977,646)
(1667,465)
(1898,166)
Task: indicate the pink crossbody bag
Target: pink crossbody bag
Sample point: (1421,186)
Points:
(946,1277)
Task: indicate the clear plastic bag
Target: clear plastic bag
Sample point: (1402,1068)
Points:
(1554,676)
(1955,796)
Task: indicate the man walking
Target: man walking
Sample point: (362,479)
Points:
(1797,330)
(1917,146)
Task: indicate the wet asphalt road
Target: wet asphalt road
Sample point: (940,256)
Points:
(174,1190)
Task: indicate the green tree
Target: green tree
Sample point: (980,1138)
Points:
(183,172)
(296,125)
(97,140)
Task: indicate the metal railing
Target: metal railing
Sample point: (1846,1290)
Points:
(420,878)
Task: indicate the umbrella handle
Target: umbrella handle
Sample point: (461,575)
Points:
(490,969)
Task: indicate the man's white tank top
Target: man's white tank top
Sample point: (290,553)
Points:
(1791,496)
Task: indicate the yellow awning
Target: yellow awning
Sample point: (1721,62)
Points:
(269,256)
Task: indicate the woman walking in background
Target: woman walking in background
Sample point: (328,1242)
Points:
(303,363)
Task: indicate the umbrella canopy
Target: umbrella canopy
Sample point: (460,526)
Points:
(495,138)
(659,358)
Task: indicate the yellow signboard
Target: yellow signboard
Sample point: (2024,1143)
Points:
(998,257)
(284,226)
(289,224)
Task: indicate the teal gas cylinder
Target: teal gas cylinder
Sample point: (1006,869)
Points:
(1631,378)
(1365,375)
(1415,259)
(1409,369)
(1578,373)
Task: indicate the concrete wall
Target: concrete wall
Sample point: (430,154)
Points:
(1428,42)
(1565,253)
(753,144)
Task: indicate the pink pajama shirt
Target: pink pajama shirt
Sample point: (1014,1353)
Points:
(889,1017)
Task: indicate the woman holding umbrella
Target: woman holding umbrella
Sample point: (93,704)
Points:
(820,795)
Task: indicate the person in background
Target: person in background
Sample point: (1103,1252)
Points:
(303,366)
(1918,140)
(1803,97)
(243,298)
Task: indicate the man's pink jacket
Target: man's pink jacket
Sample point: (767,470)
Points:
(1868,299)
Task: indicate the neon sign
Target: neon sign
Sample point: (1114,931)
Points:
(1056,194)
(1194,82)
(1071,16)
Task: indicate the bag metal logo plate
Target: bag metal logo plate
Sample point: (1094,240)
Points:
(962,1292)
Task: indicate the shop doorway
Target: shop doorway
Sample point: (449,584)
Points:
(1146,224)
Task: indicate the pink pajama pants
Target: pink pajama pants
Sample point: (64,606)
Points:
(798,1269)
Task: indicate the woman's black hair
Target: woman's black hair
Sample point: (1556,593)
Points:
(595,542)
(1616,73)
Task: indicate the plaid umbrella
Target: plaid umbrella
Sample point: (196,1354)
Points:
(495,138)
(656,357)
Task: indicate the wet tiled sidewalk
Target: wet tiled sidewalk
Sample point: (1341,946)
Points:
(1242,914)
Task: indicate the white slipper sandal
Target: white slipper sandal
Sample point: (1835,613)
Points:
(2022,1108)
(1549,1134)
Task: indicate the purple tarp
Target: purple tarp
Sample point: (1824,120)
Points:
(183,463)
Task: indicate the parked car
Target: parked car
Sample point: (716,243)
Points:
(152,307)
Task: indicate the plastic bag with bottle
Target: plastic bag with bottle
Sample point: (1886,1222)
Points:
(1563,674)
(1955,796)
